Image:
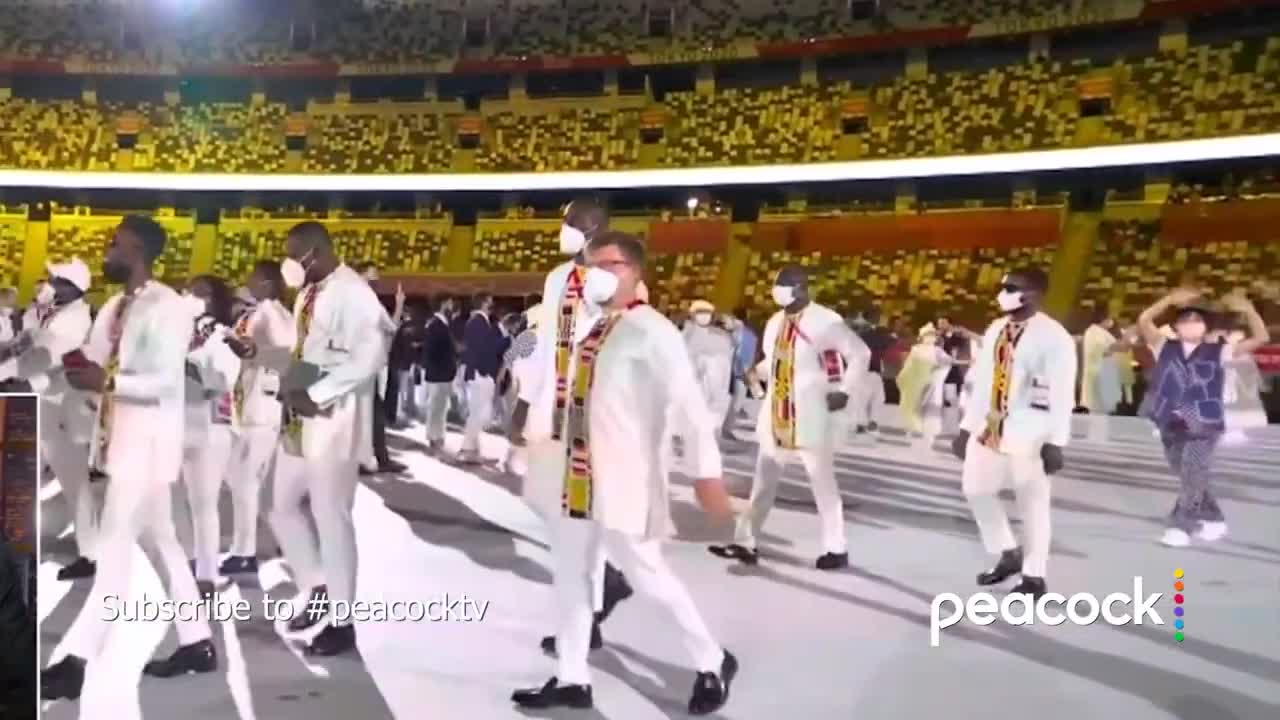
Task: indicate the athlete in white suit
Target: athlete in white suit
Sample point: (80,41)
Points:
(814,363)
(1015,425)
(57,324)
(135,359)
(263,338)
(340,334)
(564,320)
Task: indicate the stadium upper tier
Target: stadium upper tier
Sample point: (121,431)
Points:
(1201,91)
(252,32)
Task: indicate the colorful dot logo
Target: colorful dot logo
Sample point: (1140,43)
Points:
(1178,623)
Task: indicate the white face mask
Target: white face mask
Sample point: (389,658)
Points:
(572,240)
(784,295)
(45,296)
(295,275)
(1009,301)
(703,319)
(600,286)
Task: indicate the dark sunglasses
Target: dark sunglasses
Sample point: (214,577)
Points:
(1011,287)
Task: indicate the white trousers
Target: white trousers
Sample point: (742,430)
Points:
(819,463)
(986,472)
(870,399)
(438,395)
(330,484)
(251,457)
(203,468)
(479,411)
(577,547)
(137,509)
(70,464)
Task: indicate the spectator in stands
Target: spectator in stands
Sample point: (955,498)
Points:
(871,398)
(482,349)
(439,368)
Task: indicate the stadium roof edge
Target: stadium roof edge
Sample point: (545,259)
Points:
(1110,156)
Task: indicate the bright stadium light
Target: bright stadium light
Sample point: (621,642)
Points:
(1111,156)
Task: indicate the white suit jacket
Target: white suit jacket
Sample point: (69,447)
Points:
(822,330)
(644,387)
(1042,390)
(218,367)
(274,333)
(148,421)
(540,370)
(348,342)
(64,330)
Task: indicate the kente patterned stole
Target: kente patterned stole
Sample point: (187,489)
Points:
(106,405)
(567,313)
(1001,382)
(576,499)
(783,378)
(239,391)
(293,422)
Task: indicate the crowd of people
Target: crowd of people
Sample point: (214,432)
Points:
(218,386)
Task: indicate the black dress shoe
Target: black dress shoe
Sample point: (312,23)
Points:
(206,588)
(597,640)
(860,430)
(734,551)
(333,640)
(872,427)
(237,564)
(63,679)
(191,659)
(391,466)
(313,612)
(711,690)
(832,561)
(1033,586)
(367,472)
(553,694)
(1010,564)
(616,589)
(83,567)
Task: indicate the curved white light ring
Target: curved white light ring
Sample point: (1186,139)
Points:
(1111,156)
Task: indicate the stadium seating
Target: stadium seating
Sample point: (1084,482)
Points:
(1206,91)
(84,233)
(1132,266)
(13,235)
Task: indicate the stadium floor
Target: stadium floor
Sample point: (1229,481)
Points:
(811,644)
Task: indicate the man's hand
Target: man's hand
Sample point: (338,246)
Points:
(960,444)
(301,403)
(1052,457)
(89,377)
(713,499)
(836,401)
(242,347)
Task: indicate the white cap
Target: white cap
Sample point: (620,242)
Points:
(73,271)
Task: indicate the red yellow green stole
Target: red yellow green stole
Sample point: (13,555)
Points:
(576,498)
(783,380)
(239,391)
(293,422)
(1001,382)
(565,318)
(106,405)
